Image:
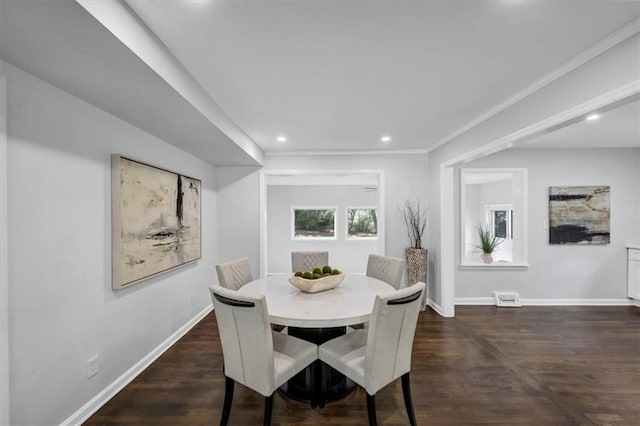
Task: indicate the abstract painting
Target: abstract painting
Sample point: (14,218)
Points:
(579,215)
(156,220)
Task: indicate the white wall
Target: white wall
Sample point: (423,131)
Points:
(574,272)
(239,194)
(4,295)
(238,215)
(610,70)
(637,236)
(62,307)
(347,255)
(405,178)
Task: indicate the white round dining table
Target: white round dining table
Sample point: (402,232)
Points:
(351,302)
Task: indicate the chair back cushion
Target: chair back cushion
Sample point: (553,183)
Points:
(385,268)
(234,274)
(245,334)
(307,260)
(390,336)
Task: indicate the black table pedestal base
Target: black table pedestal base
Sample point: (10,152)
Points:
(335,385)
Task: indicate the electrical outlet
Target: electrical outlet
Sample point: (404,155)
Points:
(93,367)
(193,299)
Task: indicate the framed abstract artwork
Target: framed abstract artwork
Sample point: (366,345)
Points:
(579,215)
(156,220)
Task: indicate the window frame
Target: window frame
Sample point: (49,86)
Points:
(489,210)
(293,223)
(346,223)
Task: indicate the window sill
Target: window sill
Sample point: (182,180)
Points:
(314,239)
(495,265)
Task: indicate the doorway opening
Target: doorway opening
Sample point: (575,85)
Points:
(346,207)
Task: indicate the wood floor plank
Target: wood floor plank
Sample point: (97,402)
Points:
(486,366)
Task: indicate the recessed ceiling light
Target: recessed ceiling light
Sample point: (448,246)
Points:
(385,138)
(281,139)
(593,117)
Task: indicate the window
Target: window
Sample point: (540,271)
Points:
(500,219)
(314,223)
(362,223)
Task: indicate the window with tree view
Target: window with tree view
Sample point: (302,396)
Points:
(362,223)
(314,223)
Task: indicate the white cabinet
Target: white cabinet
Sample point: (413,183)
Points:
(633,273)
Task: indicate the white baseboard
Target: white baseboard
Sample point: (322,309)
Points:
(548,302)
(576,302)
(93,405)
(436,307)
(475,301)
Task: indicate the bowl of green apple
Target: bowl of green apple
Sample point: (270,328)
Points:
(318,279)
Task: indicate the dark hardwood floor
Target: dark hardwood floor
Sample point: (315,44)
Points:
(486,366)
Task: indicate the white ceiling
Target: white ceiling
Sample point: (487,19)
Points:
(324,178)
(331,75)
(59,42)
(337,75)
(617,128)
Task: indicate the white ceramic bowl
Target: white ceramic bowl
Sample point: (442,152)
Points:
(320,284)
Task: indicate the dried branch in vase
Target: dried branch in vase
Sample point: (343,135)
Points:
(415,219)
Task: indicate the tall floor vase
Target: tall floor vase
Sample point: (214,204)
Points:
(417,261)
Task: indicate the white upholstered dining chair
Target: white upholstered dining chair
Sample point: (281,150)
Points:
(307,260)
(386,268)
(254,355)
(234,274)
(380,354)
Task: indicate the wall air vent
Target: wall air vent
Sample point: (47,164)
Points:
(507,299)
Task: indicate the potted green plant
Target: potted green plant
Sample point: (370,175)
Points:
(487,243)
(415,220)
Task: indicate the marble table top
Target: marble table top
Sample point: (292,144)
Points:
(349,303)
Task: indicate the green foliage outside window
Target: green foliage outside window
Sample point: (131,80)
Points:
(314,223)
(362,223)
